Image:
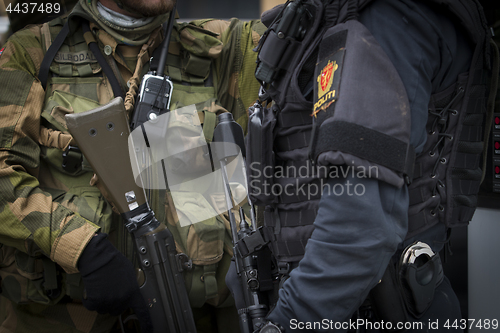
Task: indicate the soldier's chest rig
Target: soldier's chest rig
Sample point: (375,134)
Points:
(285,177)
(79,77)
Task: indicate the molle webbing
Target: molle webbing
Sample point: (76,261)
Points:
(187,68)
(289,220)
(66,69)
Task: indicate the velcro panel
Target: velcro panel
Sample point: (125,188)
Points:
(364,142)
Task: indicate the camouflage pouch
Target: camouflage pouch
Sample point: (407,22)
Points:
(59,104)
(190,213)
(88,202)
(202,242)
(29,278)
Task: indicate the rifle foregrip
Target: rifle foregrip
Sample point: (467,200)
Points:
(164,288)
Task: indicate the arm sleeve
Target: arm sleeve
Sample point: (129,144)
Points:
(237,87)
(30,220)
(356,235)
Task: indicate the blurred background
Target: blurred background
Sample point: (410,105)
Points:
(243,9)
(188,9)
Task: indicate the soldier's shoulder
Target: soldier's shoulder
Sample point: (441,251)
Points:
(220,27)
(23,49)
(31,33)
(213,25)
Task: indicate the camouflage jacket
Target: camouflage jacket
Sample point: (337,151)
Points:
(47,213)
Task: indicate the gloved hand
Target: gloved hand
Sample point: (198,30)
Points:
(234,286)
(110,281)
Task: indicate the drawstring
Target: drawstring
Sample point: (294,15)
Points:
(440,126)
(441,117)
(134,80)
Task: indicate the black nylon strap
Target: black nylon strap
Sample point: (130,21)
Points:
(292,119)
(297,218)
(43,74)
(293,141)
(295,190)
(115,85)
(252,243)
(291,248)
(366,143)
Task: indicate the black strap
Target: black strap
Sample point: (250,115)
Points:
(115,85)
(352,10)
(43,74)
(253,242)
(368,144)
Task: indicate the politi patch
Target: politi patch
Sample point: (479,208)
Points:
(328,74)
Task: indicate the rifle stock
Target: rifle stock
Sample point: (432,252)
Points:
(102,136)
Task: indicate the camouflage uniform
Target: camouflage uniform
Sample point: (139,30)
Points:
(48,215)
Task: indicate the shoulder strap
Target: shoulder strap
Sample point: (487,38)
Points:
(115,85)
(43,74)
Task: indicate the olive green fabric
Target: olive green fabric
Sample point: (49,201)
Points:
(48,215)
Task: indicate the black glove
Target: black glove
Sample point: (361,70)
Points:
(234,286)
(110,281)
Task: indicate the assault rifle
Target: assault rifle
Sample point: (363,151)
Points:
(229,141)
(102,136)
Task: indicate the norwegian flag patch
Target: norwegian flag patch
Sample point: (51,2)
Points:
(1,50)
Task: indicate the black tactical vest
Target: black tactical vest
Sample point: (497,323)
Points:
(283,177)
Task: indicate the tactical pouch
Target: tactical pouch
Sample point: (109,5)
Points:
(260,154)
(26,278)
(387,298)
(202,241)
(419,280)
(407,288)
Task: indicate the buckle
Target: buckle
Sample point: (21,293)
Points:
(72,160)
